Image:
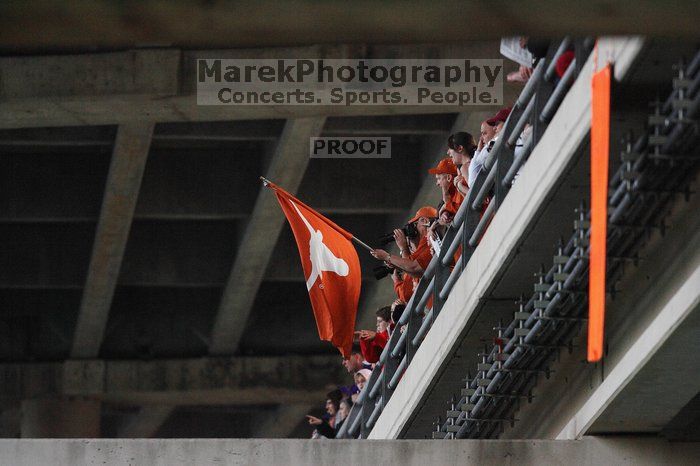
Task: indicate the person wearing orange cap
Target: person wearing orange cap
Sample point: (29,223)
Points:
(414,263)
(445,172)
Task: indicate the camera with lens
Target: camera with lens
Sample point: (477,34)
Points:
(409,230)
(382,271)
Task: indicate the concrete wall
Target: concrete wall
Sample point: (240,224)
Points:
(589,451)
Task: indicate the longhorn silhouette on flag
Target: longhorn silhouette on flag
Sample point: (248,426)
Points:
(322,258)
(331,268)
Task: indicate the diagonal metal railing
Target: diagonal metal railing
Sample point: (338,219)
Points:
(536,105)
(654,168)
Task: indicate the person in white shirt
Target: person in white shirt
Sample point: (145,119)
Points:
(489,134)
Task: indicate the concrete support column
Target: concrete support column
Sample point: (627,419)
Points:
(58,418)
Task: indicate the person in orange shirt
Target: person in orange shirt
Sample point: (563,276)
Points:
(445,172)
(413,263)
(403,285)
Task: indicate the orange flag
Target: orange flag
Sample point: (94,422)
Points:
(331,269)
(600,154)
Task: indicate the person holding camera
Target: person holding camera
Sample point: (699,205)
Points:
(414,263)
(403,285)
(437,230)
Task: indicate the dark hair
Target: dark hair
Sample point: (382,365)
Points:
(384,313)
(398,310)
(335,396)
(463,139)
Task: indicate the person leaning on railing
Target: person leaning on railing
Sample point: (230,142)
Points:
(489,134)
(355,362)
(403,285)
(416,262)
(461,148)
(372,343)
(338,411)
(445,173)
(437,230)
(326,426)
(361,377)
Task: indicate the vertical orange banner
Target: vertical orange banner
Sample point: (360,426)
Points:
(600,155)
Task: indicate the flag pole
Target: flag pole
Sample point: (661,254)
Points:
(363,244)
(358,241)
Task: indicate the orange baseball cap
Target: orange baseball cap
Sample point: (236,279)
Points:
(445,167)
(427,211)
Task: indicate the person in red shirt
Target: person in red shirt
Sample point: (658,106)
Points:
(445,172)
(372,343)
(413,263)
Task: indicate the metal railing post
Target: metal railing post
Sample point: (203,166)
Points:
(543,90)
(414,324)
(442,272)
(504,161)
(388,371)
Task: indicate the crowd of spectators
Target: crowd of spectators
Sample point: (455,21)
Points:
(421,238)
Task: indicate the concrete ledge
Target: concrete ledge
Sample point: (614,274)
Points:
(589,451)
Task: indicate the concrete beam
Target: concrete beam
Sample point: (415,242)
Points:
(121,192)
(389,125)
(538,179)
(264,23)
(591,451)
(195,217)
(60,418)
(147,422)
(263,228)
(160,85)
(205,381)
(223,131)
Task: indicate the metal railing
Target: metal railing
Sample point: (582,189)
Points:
(655,167)
(536,105)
